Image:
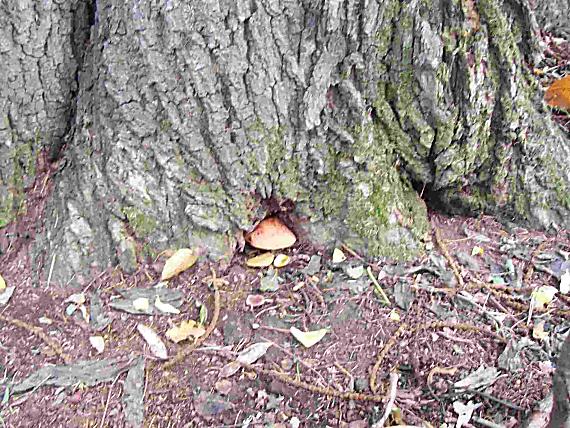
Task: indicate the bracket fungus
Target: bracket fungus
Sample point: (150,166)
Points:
(271,234)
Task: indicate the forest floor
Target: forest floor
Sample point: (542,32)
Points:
(468,336)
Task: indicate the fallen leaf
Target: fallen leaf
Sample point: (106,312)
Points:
(2,283)
(248,356)
(253,353)
(542,296)
(185,330)
(338,256)
(477,251)
(355,272)
(6,295)
(261,261)
(70,309)
(98,343)
(271,234)
(203,316)
(565,282)
(166,308)
(156,345)
(180,261)
(558,94)
(464,412)
(482,377)
(394,315)
(77,298)
(308,338)
(538,331)
(255,300)
(141,304)
(281,260)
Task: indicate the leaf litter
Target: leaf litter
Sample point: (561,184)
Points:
(363,328)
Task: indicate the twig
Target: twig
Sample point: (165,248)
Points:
(51,269)
(304,364)
(377,286)
(382,354)
(108,399)
(351,252)
(329,392)
(393,388)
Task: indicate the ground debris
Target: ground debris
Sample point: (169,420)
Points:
(89,373)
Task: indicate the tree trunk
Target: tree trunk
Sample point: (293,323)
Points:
(193,120)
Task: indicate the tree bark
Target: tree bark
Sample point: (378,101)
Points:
(193,120)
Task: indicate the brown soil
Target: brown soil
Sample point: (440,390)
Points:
(439,339)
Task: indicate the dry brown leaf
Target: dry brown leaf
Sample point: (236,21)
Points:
(271,234)
(180,261)
(558,94)
(185,330)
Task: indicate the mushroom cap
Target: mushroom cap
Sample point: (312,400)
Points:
(271,234)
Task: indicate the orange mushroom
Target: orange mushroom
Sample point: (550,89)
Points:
(271,234)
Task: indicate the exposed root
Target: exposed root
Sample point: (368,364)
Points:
(329,392)
(452,263)
(427,326)
(37,331)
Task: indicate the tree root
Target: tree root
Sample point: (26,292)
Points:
(452,263)
(427,326)
(37,331)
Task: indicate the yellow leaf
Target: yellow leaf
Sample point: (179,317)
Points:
(308,338)
(180,261)
(338,256)
(263,260)
(2,283)
(185,330)
(281,260)
(542,296)
(558,94)
(477,251)
(394,315)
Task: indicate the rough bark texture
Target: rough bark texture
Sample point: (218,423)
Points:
(553,16)
(195,119)
(41,46)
